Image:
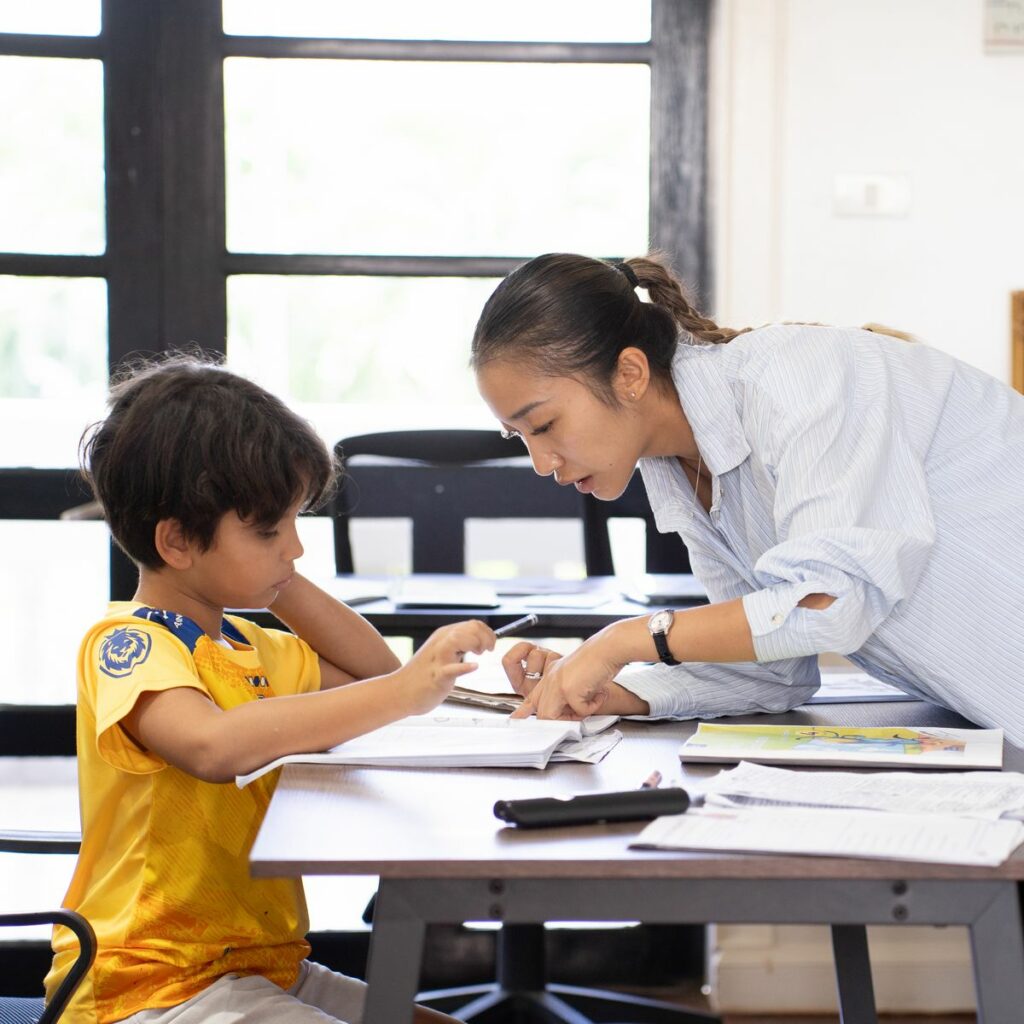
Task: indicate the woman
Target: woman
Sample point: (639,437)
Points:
(838,490)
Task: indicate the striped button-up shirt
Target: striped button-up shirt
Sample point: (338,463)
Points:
(884,473)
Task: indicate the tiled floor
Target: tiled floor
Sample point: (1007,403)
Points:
(884,1019)
(689,997)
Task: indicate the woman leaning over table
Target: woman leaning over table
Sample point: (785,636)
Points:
(838,490)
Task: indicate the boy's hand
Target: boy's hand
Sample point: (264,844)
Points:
(427,678)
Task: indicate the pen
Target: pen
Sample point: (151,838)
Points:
(652,781)
(524,623)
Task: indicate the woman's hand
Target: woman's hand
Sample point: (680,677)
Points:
(525,665)
(578,685)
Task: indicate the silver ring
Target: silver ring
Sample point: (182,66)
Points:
(532,675)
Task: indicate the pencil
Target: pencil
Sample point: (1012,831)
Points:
(524,623)
(652,781)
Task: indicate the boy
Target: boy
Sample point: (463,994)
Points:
(201,475)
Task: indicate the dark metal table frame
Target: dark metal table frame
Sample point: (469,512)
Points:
(988,908)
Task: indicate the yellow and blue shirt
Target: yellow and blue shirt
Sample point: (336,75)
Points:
(163,874)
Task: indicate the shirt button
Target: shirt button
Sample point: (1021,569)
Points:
(777,619)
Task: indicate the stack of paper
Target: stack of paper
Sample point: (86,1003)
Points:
(937,838)
(438,590)
(456,741)
(484,699)
(487,687)
(957,818)
(856,688)
(988,795)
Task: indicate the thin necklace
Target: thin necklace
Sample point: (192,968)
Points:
(696,483)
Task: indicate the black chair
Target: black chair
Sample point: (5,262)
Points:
(438,479)
(665,552)
(33,1009)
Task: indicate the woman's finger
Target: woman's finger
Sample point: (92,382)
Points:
(512,659)
(533,665)
(528,707)
(551,702)
(515,665)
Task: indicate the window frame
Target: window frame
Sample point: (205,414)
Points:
(166,262)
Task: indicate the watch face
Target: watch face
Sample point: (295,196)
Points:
(660,621)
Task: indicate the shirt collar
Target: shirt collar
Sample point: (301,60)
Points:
(707,399)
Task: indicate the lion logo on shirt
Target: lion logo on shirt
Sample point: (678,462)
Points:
(123,650)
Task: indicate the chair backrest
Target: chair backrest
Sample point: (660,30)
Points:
(33,1009)
(664,552)
(441,478)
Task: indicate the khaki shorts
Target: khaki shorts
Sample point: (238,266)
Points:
(319,996)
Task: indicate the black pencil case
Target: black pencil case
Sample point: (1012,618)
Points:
(592,808)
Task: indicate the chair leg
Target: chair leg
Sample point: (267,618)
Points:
(521,994)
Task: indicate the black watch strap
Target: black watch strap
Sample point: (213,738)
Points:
(661,644)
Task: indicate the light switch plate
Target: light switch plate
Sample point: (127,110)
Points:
(871,195)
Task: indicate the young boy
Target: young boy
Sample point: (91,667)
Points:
(201,475)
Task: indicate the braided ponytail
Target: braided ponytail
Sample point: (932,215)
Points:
(666,290)
(571,316)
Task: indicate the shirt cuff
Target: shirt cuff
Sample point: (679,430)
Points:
(767,610)
(662,687)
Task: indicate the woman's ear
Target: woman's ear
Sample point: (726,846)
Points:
(172,545)
(632,376)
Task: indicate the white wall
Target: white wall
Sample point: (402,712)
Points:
(805,90)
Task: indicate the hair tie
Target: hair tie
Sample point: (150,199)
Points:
(628,273)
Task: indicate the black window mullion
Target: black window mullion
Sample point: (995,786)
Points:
(679,102)
(131,45)
(439,50)
(192,79)
(19,44)
(29,264)
(372,266)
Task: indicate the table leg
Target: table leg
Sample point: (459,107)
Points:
(396,955)
(997,948)
(853,974)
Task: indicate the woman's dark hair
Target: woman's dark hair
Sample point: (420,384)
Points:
(571,315)
(186,439)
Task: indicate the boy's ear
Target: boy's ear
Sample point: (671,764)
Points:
(172,544)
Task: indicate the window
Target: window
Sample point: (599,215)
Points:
(310,188)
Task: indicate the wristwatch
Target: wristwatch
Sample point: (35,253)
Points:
(659,624)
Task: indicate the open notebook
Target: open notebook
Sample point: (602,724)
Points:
(458,741)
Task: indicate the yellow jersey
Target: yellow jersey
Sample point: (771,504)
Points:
(163,873)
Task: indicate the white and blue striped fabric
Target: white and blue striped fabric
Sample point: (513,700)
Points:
(884,473)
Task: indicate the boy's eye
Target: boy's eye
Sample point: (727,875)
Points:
(269,532)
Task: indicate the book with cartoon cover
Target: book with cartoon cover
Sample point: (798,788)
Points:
(868,747)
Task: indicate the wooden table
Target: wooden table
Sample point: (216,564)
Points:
(443,857)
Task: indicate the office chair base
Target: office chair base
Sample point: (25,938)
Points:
(556,1004)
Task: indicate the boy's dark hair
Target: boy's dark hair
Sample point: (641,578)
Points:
(186,439)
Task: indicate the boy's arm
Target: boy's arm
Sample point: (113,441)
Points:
(348,646)
(189,731)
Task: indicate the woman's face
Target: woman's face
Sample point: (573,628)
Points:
(567,430)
